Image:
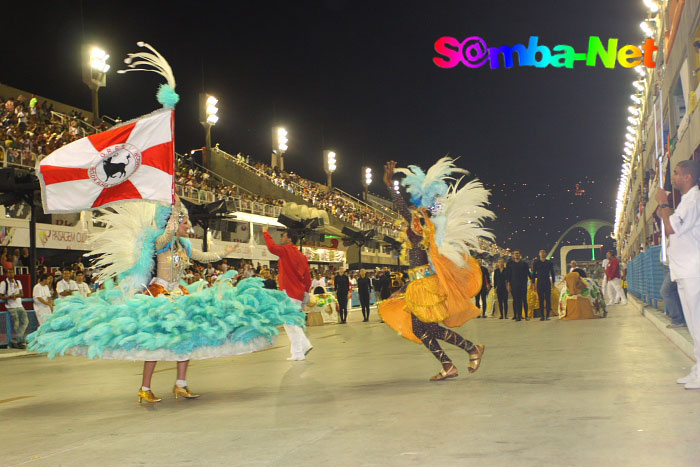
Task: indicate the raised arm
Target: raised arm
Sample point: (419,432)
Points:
(171,228)
(396,196)
(210,256)
(274,248)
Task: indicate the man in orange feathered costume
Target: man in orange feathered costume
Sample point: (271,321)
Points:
(444,223)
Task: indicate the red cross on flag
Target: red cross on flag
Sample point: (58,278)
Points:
(133,161)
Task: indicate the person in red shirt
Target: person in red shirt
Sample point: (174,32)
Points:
(612,273)
(295,280)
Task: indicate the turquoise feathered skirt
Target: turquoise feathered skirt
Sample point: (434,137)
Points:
(214,322)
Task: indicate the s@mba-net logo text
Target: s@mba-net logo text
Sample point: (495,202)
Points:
(473,52)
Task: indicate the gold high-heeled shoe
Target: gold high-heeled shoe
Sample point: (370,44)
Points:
(184,392)
(148,396)
(475,358)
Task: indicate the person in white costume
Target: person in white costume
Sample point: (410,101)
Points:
(683,230)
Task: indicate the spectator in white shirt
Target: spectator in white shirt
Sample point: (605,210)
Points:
(683,230)
(11,290)
(66,286)
(83,288)
(43,303)
(319,281)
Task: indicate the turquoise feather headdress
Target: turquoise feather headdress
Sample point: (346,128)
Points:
(426,188)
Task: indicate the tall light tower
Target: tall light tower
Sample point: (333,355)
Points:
(95,68)
(208,117)
(329,166)
(366,179)
(279,146)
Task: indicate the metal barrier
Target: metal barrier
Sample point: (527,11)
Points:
(6,325)
(645,275)
(239,204)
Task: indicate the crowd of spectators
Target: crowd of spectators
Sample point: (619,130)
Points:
(31,130)
(195,181)
(318,196)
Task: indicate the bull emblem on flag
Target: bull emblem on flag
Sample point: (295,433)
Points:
(115,168)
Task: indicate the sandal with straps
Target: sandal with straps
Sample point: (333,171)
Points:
(445,374)
(475,358)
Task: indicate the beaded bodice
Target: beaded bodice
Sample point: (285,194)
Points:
(417,254)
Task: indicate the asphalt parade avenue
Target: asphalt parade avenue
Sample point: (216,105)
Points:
(576,393)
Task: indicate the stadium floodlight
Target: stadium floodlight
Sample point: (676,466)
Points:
(208,117)
(211,110)
(639,84)
(633,110)
(98,60)
(95,68)
(280,140)
(647,28)
(366,179)
(652,5)
(367,173)
(329,165)
(636,99)
(628,151)
(631,129)
(396,186)
(629,137)
(633,120)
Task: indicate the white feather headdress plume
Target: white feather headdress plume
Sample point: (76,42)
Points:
(154,62)
(425,188)
(125,248)
(459,221)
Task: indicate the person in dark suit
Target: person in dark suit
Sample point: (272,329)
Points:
(499,281)
(485,287)
(342,288)
(542,270)
(386,284)
(517,275)
(364,287)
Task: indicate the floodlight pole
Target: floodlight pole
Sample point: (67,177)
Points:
(205,240)
(32,242)
(95,104)
(206,155)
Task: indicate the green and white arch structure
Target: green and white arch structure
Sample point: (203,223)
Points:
(592,226)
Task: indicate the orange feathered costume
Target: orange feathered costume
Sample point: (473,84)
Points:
(444,297)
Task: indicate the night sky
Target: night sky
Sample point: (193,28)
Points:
(358,78)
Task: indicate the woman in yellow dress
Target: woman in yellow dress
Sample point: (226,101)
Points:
(443,277)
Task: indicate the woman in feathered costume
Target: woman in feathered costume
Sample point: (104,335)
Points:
(151,319)
(443,224)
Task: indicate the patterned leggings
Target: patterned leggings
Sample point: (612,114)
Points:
(429,333)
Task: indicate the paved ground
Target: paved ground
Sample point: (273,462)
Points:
(580,393)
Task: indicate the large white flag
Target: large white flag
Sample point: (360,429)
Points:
(132,161)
